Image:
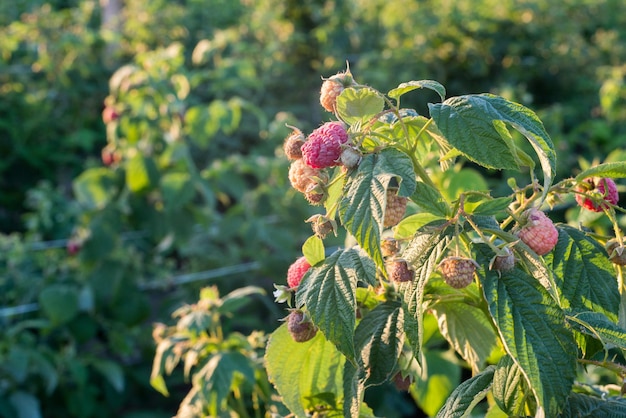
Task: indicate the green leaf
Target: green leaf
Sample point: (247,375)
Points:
(139,173)
(177,190)
(378,340)
(600,327)
(441,375)
(359,105)
(238,298)
(583,273)
(422,253)
(468,330)
(313,250)
(25,404)
(301,371)
(429,200)
(158,383)
(473,125)
(95,187)
(353,389)
(362,207)
(508,387)
(328,291)
(467,395)
(407,227)
(421,84)
(584,406)
(532,329)
(59,302)
(112,372)
(613,170)
(492,206)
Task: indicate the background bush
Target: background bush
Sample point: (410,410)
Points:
(203,91)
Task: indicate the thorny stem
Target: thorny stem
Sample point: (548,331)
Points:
(614,367)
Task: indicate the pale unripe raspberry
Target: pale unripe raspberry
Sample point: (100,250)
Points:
(458,272)
(399,271)
(395,209)
(322,226)
(389,247)
(301,176)
(315,194)
(300,326)
(538,231)
(350,157)
(323,147)
(332,87)
(617,252)
(504,261)
(293,144)
(604,190)
(296,271)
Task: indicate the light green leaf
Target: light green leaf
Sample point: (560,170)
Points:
(580,405)
(359,105)
(95,187)
(407,227)
(532,329)
(59,302)
(583,273)
(421,84)
(302,371)
(614,170)
(468,124)
(139,174)
(362,207)
(378,340)
(468,330)
(441,376)
(328,291)
(600,327)
(467,395)
(313,250)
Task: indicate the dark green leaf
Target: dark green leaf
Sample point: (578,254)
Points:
(238,298)
(359,105)
(353,389)
(362,207)
(302,371)
(378,340)
(421,84)
(583,273)
(584,406)
(467,395)
(600,327)
(490,207)
(112,372)
(59,302)
(328,290)
(177,190)
(532,328)
(429,200)
(613,170)
(508,387)
(25,404)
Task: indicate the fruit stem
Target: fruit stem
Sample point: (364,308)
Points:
(474,226)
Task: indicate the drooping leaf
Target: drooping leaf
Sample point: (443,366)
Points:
(532,328)
(404,88)
(580,405)
(614,170)
(600,327)
(583,273)
(328,290)
(468,330)
(508,387)
(378,340)
(362,207)
(473,124)
(359,105)
(422,254)
(313,250)
(467,395)
(302,371)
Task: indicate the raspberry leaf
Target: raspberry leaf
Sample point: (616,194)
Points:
(301,372)
(429,200)
(532,328)
(313,250)
(509,386)
(407,227)
(583,274)
(600,327)
(361,208)
(404,88)
(612,170)
(328,290)
(581,405)
(467,395)
(359,105)
(439,377)
(378,339)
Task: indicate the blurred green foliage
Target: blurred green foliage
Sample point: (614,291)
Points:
(202,91)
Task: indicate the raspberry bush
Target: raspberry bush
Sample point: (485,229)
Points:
(529,304)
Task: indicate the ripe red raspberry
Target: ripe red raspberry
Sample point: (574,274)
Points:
(538,231)
(300,326)
(293,144)
(296,270)
(301,176)
(596,193)
(323,147)
(109,115)
(332,88)
(458,272)
(399,271)
(394,211)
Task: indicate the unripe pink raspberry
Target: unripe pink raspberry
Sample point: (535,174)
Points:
(604,191)
(109,114)
(293,144)
(458,272)
(296,271)
(399,271)
(395,209)
(300,326)
(323,147)
(332,88)
(538,231)
(301,176)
